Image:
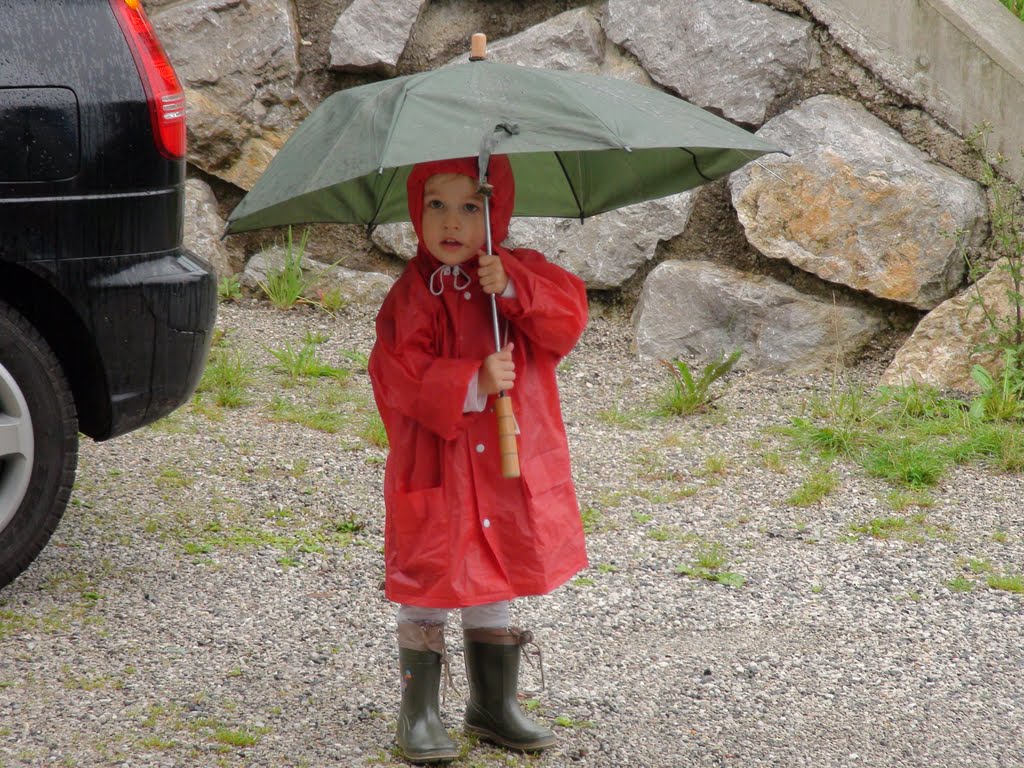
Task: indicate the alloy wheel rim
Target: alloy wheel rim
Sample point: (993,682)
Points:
(17,447)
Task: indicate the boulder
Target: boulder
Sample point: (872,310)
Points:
(238,63)
(857,205)
(734,56)
(204,227)
(370,35)
(571,41)
(354,286)
(696,308)
(604,251)
(944,346)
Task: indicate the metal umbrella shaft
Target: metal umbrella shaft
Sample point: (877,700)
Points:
(503,404)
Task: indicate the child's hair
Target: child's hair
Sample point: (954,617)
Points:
(499,176)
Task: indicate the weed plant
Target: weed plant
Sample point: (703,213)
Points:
(1002,391)
(690,394)
(287,286)
(227,376)
(229,288)
(1016,7)
(303,363)
(709,563)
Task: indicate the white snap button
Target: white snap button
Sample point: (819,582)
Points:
(480,448)
(468,295)
(487,523)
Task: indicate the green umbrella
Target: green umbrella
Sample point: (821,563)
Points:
(583,144)
(579,145)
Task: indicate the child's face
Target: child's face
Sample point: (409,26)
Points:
(453,218)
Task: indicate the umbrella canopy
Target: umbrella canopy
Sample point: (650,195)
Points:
(579,145)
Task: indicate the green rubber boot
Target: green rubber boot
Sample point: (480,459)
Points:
(493,711)
(421,735)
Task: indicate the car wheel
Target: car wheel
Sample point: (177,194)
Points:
(38,443)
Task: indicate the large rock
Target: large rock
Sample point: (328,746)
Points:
(699,308)
(571,41)
(239,65)
(604,251)
(858,205)
(353,286)
(734,56)
(944,346)
(370,35)
(204,227)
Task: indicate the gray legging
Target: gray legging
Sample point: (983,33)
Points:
(487,616)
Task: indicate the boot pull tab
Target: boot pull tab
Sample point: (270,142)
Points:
(433,640)
(523,638)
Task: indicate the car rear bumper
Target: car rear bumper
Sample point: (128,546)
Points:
(152,320)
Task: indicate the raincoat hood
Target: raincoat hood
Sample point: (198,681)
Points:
(499,176)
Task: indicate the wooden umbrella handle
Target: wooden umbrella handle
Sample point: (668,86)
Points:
(507,436)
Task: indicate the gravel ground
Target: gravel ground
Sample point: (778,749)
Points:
(212,597)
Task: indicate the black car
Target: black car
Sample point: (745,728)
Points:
(105,319)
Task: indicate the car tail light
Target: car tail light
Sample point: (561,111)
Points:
(163,91)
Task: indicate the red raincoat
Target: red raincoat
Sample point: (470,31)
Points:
(457,533)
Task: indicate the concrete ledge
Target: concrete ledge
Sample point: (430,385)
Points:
(961,60)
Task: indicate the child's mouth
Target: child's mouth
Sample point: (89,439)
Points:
(449,243)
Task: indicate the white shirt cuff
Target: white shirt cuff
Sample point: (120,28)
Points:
(475,402)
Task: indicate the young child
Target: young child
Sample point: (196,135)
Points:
(457,533)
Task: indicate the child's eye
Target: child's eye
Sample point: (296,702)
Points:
(435,204)
(471,208)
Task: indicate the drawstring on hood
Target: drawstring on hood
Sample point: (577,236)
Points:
(438,275)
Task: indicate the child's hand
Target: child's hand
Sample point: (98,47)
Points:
(493,278)
(498,373)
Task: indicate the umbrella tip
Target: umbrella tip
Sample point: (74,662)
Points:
(478,47)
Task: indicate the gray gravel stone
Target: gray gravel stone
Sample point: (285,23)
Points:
(212,597)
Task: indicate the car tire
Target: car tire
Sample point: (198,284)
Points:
(38,443)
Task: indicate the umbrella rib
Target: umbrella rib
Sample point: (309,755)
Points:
(695,166)
(380,201)
(568,181)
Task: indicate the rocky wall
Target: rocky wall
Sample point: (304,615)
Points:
(860,216)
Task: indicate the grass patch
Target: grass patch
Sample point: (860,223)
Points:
(242,537)
(819,484)
(227,377)
(373,431)
(1006,582)
(908,436)
(906,461)
(709,563)
(320,419)
(631,418)
(960,584)
(914,529)
(593,520)
(11,622)
(304,363)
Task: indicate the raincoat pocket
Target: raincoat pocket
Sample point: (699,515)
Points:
(418,544)
(553,514)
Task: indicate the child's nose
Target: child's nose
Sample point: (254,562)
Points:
(451,220)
